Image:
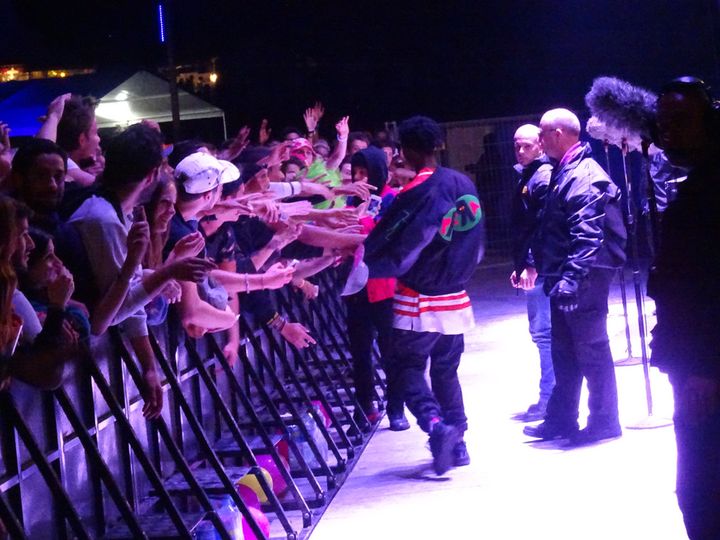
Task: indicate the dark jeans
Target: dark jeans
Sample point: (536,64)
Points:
(409,360)
(365,320)
(698,468)
(581,348)
(538,309)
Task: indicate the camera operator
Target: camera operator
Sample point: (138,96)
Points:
(684,285)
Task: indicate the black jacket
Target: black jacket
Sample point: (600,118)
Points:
(527,204)
(431,237)
(685,277)
(582,223)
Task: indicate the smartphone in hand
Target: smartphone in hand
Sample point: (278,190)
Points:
(138,213)
(374,205)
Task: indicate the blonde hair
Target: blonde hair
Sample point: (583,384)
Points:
(8,279)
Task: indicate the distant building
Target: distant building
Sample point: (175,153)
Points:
(17,72)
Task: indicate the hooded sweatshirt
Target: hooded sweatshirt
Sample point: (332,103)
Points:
(373,159)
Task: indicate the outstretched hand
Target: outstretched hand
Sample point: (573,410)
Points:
(192,269)
(296,334)
(152,394)
(57,106)
(188,246)
(277,276)
(358,189)
(238,144)
(343,128)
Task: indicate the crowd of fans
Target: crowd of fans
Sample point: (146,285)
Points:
(116,232)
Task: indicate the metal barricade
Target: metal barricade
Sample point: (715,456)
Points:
(82,462)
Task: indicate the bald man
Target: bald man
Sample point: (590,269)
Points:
(581,245)
(534,172)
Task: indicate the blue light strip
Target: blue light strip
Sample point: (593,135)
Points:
(161,21)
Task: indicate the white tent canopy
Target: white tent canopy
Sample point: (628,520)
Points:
(145,96)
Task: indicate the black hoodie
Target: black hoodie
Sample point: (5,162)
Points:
(373,159)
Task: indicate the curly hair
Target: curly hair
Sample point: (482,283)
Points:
(421,134)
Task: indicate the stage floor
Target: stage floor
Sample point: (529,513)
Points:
(514,489)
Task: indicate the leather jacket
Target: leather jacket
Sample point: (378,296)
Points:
(527,204)
(582,223)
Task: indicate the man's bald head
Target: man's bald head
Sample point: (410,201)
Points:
(559,130)
(527,144)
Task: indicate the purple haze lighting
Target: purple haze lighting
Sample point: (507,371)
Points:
(161,23)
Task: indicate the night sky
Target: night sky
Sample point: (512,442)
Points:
(382,60)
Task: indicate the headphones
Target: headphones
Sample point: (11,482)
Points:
(694,85)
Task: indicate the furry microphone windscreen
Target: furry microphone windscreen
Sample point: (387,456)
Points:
(622,107)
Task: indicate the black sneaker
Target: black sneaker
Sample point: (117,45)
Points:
(592,434)
(398,422)
(546,431)
(461,458)
(443,439)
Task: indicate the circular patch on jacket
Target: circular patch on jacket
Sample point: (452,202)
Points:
(465,215)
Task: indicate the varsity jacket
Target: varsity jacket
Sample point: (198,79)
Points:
(431,237)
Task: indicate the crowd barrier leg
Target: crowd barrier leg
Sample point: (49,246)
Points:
(239,439)
(162,428)
(320,396)
(100,466)
(10,520)
(278,422)
(65,506)
(152,474)
(339,338)
(341,379)
(289,403)
(161,478)
(206,449)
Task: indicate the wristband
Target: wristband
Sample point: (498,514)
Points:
(341,139)
(247,284)
(277,323)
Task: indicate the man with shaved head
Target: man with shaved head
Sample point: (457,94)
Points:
(582,244)
(534,172)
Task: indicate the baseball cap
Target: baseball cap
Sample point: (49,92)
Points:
(201,172)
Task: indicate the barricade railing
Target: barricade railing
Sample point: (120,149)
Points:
(82,462)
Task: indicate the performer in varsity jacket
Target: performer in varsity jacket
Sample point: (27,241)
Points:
(431,239)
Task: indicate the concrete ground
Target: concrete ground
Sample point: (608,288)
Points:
(516,489)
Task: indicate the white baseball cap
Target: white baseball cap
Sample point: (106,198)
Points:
(201,172)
